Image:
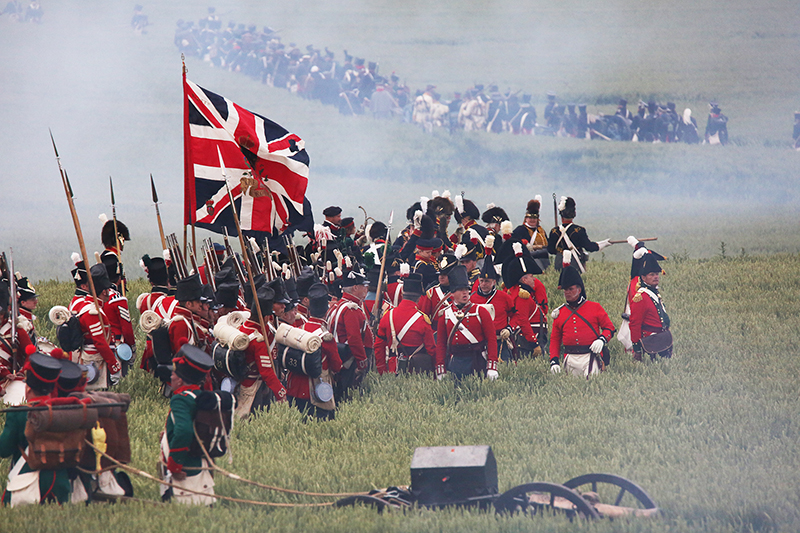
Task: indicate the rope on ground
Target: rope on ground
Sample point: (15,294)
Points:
(236,477)
(142,473)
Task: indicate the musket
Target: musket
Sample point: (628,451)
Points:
(267,254)
(212,255)
(78,233)
(294,257)
(175,254)
(8,265)
(244,249)
(555,211)
(209,270)
(645,239)
(252,250)
(193,259)
(376,308)
(68,407)
(122,287)
(158,213)
(237,265)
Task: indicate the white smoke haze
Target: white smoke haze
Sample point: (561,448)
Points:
(113,100)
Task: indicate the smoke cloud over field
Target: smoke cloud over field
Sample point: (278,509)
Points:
(113,101)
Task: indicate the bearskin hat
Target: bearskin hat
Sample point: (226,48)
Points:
(532,209)
(441,206)
(377,231)
(107,233)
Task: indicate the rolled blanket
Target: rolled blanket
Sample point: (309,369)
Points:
(236,318)
(230,336)
(58,421)
(298,338)
(149,321)
(59,315)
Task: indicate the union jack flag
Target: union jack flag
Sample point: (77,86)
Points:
(266,168)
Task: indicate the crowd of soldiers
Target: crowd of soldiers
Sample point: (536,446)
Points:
(355,86)
(305,324)
(16,10)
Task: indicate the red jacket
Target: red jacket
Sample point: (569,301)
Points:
(570,330)
(96,338)
(258,357)
(347,320)
(297,385)
(160,303)
(431,302)
(7,354)
(644,320)
(419,333)
(119,317)
(502,304)
(476,328)
(523,306)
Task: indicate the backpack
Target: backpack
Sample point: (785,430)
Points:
(213,422)
(70,334)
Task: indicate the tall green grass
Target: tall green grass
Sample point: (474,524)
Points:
(711,434)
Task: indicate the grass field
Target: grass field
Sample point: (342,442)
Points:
(711,434)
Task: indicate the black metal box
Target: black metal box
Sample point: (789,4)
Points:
(447,475)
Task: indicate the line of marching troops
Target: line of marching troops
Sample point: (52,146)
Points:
(306,324)
(356,87)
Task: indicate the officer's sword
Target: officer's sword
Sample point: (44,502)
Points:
(122,287)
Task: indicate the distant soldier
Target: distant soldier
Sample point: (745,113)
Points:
(796,132)
(404,341)
(687,128)
(533,235)
(97,340)
(486,292)
(550,107)
(622,110)
(582,126)
(524,118)
(570,236)
(466,337)
(650,322)
(190,370)
(27,486)
(717,126)
(348,322)
(581,329)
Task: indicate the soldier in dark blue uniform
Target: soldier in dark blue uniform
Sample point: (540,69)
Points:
(570,236)
(717,126)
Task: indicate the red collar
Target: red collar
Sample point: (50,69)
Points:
(315,320)
(469,224)
(186,388)
(349,297)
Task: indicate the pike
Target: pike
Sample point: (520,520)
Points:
(244,248)
(158,213)
(122,285)
(78,232)
(376,308)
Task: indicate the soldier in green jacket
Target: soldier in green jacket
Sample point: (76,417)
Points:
(27,486)
(186,471)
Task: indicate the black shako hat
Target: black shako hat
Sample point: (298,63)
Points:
(156,269)
(318,298)
(458,278)
(25,289)
(113,266)
(41,372)
(100,277)
(304,282)
(4,296)
(446,263)
(265,296)
(70,378)
(192,364)
(519,264)
(189,288)
(332,211)
(227,294)
(412,285)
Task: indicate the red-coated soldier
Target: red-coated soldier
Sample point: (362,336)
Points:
(347,320)
(648,315)
(28,300)
(13,355)
(119,316)
(259,356)
(97,340)
(158,300)
(114,243)
(404,341)
(186,323)
(309,394)
(466,335)
(486,292)
(437,297)
(521,287)
(581,328)
(639,253)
